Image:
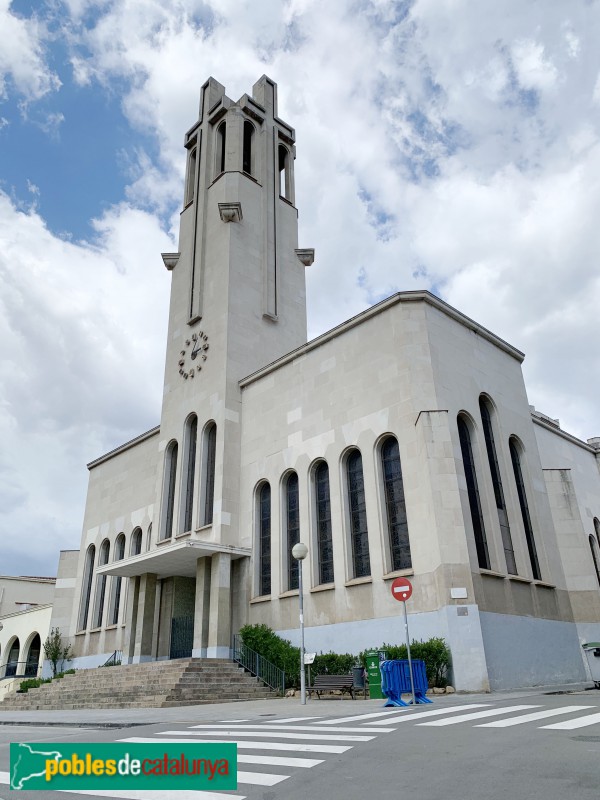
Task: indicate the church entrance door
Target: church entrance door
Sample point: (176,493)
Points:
(182,637)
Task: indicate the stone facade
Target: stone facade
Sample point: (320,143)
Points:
(399,443)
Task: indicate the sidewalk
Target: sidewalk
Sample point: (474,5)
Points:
(251,710)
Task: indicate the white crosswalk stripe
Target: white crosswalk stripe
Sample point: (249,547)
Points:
(434,712)
(551,712)
(357,717)
(272,726)
(573,724)
(271,734)
(299,747)
(493,712)
(289,719)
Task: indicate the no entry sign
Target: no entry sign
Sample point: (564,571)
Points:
(401,589)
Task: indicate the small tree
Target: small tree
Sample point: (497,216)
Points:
(56,650)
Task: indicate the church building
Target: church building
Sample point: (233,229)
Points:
(400,443)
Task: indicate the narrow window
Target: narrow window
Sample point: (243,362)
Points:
(101,585)
(210,454)
(516,462)
(169,490)
(190,469)
(358,516)
(395,505)
(488,432)
(285,188)
(33,657)
(86,588)
(136,542)
(115,590)
(593,548)
(483,558)
(264,537)
(149,537)
(292,522)
(221,144)
(248,154)
(12,664)
(190,184)
(323,519)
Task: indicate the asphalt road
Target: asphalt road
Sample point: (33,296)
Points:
(352,751)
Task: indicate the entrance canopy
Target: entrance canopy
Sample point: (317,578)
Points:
(167,560)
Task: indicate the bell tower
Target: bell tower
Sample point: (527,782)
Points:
(238,302)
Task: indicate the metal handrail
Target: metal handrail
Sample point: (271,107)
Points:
(257,665)
(116,658)
(10,670)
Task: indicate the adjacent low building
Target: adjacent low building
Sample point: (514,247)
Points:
(401,442)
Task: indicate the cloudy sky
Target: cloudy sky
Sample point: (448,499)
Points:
(449,145)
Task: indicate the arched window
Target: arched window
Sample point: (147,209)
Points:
(33,657)
(323,521)
(395,505)
(516,462)
(12,662)
(594,549)
(149,537)
(136,542)
(86,588)
(464,435)
(285,176)
(248,149)
(292,527)
(115,590)
(208,470)
(488,432)
(101,585)
(359,535)
(169,490)
(221,147)
(190,181)
(189,469)
(264,539)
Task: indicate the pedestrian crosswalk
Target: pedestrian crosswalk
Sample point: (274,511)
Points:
(274,750)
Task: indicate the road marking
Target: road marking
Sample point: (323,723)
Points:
(553,712)
(358,716)
(272,734)
(289,719)
(278,761)
(299,747)
(433,713)
(569,725)
(494,712)
(279,727)
(260,778)
(142,794)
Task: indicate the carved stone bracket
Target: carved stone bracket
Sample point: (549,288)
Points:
(230,212)
(306,256)
(170,260)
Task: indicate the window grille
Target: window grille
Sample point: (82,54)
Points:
(264,508)
(292,508)
(358,516)
(395,504)
(516,462)
(483,558)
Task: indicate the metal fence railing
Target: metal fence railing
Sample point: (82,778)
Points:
(19,669)
(257,665)
(115,659)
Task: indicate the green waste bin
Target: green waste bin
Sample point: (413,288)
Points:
(373,659)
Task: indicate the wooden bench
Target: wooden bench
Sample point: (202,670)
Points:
(329,683)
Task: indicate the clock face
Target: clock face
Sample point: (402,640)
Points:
(193,355)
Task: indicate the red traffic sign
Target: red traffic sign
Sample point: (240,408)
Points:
(401,589)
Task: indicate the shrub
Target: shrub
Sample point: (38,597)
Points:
(32,683)
(434,652)
(333,664)
(278,651)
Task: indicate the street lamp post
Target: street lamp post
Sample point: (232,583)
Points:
(299,552)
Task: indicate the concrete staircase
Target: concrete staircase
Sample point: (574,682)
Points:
(158,684)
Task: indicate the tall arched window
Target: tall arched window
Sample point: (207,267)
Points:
(395,505)
(189,469)
(190,181)
(115,590)
(33,656)
(285,177)
(221,147)
(209,454)
(86,587)
(594,549)
(169,490)
(101,585)
(488,432)
(464,435)
(292,527)
(12,663)
(516,462)
(323,520)
(136,542)
(248,149)
(264,539)
(359,535)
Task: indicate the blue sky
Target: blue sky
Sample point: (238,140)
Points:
(446,145)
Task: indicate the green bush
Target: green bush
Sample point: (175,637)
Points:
(333,664)
(278,651)
(434,652)
(32,683)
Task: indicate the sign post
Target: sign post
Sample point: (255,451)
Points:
(401,591)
